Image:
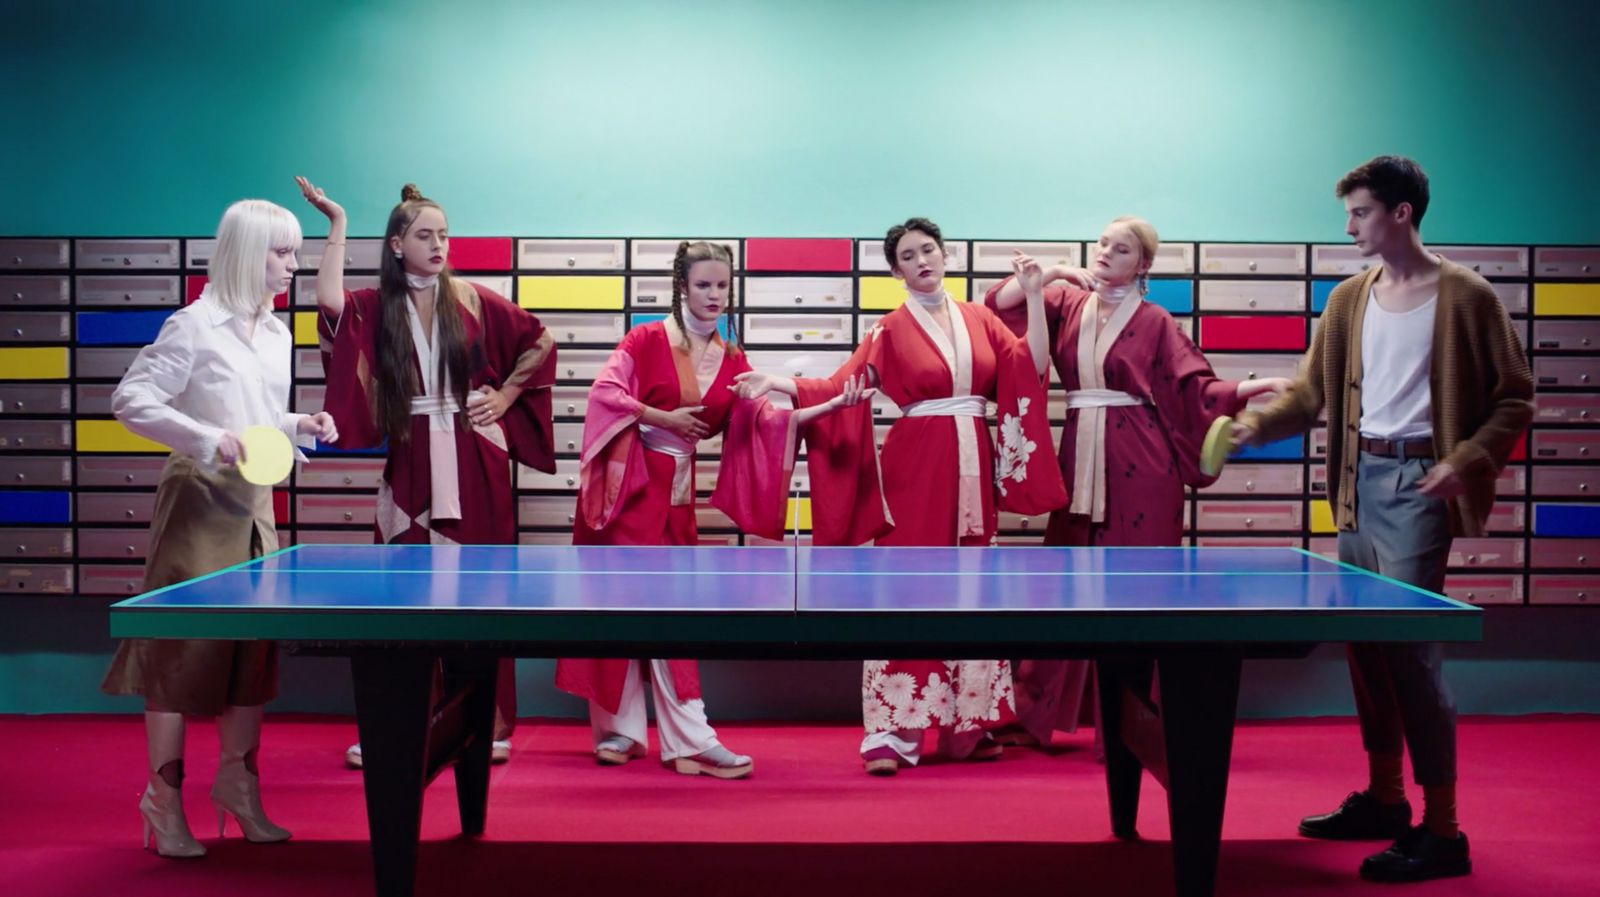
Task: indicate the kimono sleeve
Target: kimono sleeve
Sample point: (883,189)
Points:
(1056,297)
(349,355)
(847,504)
(516,344)
(612,466)
(1188,396)
(758,449)
(1027,477)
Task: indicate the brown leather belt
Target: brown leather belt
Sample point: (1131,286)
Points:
(1399,448)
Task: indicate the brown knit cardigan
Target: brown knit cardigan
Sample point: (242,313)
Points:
(1481,387)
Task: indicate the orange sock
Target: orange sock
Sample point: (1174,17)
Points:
(1386,777)
(1439,810)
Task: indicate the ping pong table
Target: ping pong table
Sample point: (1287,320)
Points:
(424,627)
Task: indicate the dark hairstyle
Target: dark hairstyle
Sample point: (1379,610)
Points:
(700,251)
(395,380)
(891,241)
(1392,180)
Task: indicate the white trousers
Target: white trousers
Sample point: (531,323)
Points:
(681,725)
(908,743)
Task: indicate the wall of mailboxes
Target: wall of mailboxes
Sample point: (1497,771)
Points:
(76,488)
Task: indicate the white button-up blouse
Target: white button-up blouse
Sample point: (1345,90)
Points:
(202,377)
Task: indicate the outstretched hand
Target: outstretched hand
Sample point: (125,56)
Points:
(753,384)
(854,392)
(1264,386)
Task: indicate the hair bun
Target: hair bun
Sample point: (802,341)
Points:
(410,193)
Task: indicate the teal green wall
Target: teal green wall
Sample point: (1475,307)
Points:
(1226,119)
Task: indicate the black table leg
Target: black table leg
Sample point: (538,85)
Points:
(394,705)
(477,677)
(1124,772)
(1199,697)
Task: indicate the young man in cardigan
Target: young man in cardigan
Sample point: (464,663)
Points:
(1427,390)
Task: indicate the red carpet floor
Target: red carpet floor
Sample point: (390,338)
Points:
(809,822)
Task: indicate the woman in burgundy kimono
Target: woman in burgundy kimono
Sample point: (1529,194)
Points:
(943,479)
(667,386)
(452,376)
(1140,397)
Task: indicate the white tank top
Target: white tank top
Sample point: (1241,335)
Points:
(1396,358)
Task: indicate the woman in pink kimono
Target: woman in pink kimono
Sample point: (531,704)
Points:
(943,479)
(1140,397)
(667,386)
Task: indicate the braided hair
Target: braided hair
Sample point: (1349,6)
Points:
(701,251)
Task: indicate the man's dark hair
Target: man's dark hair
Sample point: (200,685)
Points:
(1392,180)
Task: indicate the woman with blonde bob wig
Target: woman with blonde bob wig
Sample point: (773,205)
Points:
(218,367)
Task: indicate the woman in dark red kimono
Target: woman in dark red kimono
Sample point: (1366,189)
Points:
(1140,397)
(454,377)
(666,387)
(943,479)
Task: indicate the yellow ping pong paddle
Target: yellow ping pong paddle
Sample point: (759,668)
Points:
(1217,446)
(268,456)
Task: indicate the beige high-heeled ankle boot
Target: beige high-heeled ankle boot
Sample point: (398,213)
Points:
(161,806)
(237,790)
(164,822)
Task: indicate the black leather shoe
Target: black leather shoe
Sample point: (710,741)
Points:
(1418,856)
(1360,818)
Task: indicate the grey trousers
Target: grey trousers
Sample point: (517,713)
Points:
(1401,697)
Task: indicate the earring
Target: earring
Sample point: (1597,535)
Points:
(399,254)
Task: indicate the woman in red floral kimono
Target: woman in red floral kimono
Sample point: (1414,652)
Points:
(454,377)
(1140,397)
(943,480)
(667,386)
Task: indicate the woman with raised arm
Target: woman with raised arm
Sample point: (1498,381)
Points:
(667,386)
(453,377)
(943,479)
(1140,397)
(219,366)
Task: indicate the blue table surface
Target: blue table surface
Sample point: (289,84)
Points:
(780,580)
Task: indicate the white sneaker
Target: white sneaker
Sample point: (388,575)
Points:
(352,756)
(500,752)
